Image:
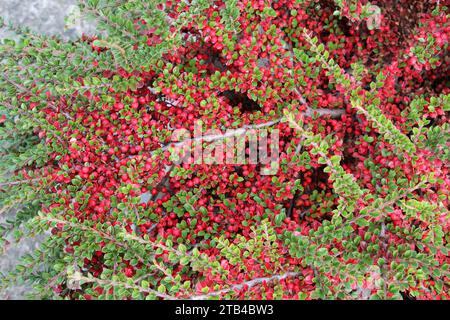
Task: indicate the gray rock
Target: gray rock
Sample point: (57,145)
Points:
(46,17)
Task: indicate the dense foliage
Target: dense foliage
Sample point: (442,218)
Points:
(358,207)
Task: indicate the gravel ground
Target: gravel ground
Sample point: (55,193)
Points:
(47,17)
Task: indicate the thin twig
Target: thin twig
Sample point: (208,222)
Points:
(248,284)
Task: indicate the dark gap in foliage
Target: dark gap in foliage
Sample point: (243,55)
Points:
(292,203)
(345,26)
(238,170)
(241,100)
(406,296)
(442,78)
(324,34)
(215,59)
(405,20)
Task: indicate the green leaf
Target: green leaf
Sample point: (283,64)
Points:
(362,222)
(280,218)
(184,261)
(161,288)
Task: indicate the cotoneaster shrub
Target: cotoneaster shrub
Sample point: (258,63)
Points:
(358,208)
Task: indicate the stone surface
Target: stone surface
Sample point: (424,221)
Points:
(45,16)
